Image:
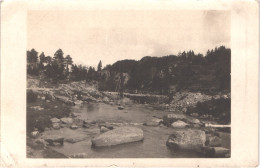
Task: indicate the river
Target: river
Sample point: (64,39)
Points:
(153,145)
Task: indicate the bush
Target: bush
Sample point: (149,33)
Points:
(220,109)
(31,96)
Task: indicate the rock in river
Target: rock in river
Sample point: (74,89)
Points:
(179,124)
(120,107)
(187,139)
(104,129)
(73,126)
(118,136)
(67,120)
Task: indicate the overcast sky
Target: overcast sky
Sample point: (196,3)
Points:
(90,36)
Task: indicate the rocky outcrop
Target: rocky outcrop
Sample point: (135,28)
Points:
(118,136)
(187,139)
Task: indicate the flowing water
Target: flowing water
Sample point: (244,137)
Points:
(153,145)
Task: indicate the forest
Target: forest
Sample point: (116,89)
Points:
(209,73)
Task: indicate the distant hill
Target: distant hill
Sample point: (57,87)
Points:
(187,71)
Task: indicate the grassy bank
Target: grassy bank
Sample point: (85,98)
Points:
(40,119)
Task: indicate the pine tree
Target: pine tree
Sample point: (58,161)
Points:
(99,68)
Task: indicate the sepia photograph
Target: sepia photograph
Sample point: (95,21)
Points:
(135,83)
(128,84)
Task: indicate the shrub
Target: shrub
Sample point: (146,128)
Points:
(218,108)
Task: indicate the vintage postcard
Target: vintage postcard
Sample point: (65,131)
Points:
(129,83)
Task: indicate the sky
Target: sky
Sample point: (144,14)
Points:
(109,36)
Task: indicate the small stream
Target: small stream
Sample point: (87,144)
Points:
(153,145)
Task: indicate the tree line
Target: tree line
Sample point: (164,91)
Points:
(59,68)
(185,71)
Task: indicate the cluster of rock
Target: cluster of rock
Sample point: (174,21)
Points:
(178,120)
(197,140)
(181,101)
(74,93)
(194,137)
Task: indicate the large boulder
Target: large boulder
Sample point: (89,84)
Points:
(187,139)
(118,136)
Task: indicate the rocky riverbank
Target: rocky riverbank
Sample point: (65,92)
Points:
(50,121)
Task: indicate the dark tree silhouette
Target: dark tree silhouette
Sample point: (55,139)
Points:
(99,68)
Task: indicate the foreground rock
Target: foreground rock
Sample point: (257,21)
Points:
(187,139)
(118,136)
